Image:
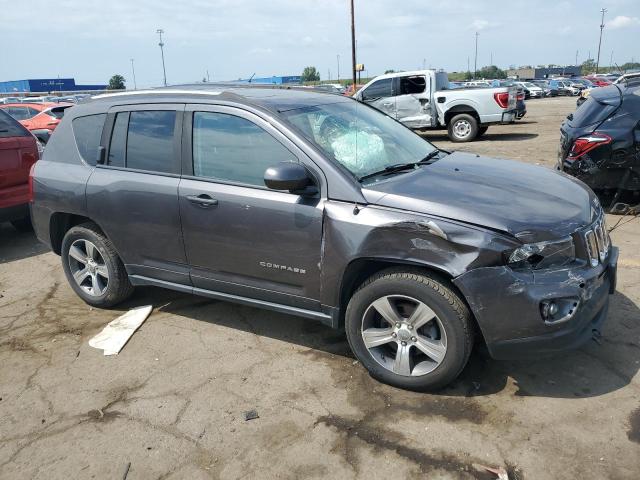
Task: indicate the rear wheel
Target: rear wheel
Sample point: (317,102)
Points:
(409,329)
(463,128)
(93,268)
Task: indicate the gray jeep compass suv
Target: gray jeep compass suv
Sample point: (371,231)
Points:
(317,205)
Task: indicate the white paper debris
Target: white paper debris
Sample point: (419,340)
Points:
(117,333)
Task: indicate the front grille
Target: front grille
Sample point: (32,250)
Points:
(598,242)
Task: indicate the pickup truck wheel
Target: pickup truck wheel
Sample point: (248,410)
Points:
(409,329)
(93,268)
(463,128)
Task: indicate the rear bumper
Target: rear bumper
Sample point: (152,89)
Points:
(507,303)
(13,201)
(508,116)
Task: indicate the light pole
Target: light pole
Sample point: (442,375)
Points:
(133,70)
(353,48)
(475,62)
(611,61)
(338,58)
(604,10)
(164,71)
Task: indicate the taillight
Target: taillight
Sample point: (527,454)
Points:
(585,144)
(502,99)
(31,171)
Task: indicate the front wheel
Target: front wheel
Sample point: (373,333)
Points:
(93,268)
(409,329)
(463,128)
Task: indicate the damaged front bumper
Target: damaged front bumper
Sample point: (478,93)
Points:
(510,306)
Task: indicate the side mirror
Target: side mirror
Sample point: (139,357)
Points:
(287,176)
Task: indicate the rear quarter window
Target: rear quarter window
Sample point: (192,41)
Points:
(88,132)
(590,113)
(9,127)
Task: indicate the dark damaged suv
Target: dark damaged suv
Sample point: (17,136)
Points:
(319,206)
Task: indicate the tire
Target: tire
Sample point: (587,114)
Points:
(481,131)
(23,224)
(449,333)
(104,280)
(462,128)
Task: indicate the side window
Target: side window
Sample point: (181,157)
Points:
(144,140)
(150,141)
(32,112)
(87,132)
(118,144)
(412,85)
(19,113)
(233,149)
(377,90)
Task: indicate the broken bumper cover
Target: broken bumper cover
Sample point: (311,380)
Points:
(507,306)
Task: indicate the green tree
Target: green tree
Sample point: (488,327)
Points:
(389,71)
(491,71)
(310,74)
(468,75)
(588,66)
(117,82)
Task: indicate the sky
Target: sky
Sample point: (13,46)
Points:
(91,40)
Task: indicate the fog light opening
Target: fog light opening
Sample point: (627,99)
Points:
(549,309)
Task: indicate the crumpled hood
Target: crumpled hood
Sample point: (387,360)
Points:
(533,203)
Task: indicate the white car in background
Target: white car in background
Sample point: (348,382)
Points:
(534,90)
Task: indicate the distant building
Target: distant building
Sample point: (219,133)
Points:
(532,73)
(45,85)
(291,79)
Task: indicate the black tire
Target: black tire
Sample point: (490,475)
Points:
(23,224)
(432,290)
(118,287)
(458,124)
(482,131)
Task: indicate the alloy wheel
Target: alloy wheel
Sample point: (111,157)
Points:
(404,335)
(88,267)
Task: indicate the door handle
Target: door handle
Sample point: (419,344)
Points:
(387,104)
(203,200)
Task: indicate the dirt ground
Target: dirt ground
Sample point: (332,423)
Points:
(172,404)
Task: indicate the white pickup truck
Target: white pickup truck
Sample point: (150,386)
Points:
(422,99)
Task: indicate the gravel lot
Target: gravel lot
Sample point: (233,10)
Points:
(172,403)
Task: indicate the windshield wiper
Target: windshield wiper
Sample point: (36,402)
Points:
(399,167)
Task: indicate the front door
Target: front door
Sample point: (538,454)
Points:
(380,95)
(240,237)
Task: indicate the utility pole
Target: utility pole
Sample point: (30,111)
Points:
(164,71)
(424,63)
(338,59)
(491,58)
(604,10)
(353,47)
(468,64)
(208,79)
(133,70)
(475,62)
(611,61)
(576,58)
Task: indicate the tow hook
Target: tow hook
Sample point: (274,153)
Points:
(597,336)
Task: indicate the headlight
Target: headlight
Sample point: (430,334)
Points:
(553,253)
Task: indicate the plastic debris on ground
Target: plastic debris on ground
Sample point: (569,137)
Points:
(251,415)
(118,332)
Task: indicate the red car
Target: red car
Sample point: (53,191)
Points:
(18,153)
(39,118)
(599,81)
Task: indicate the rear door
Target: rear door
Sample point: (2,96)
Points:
(412,101)
(380,95)
(242,238)
(133,196)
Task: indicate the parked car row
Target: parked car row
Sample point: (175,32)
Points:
(39,118)
(46,99)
